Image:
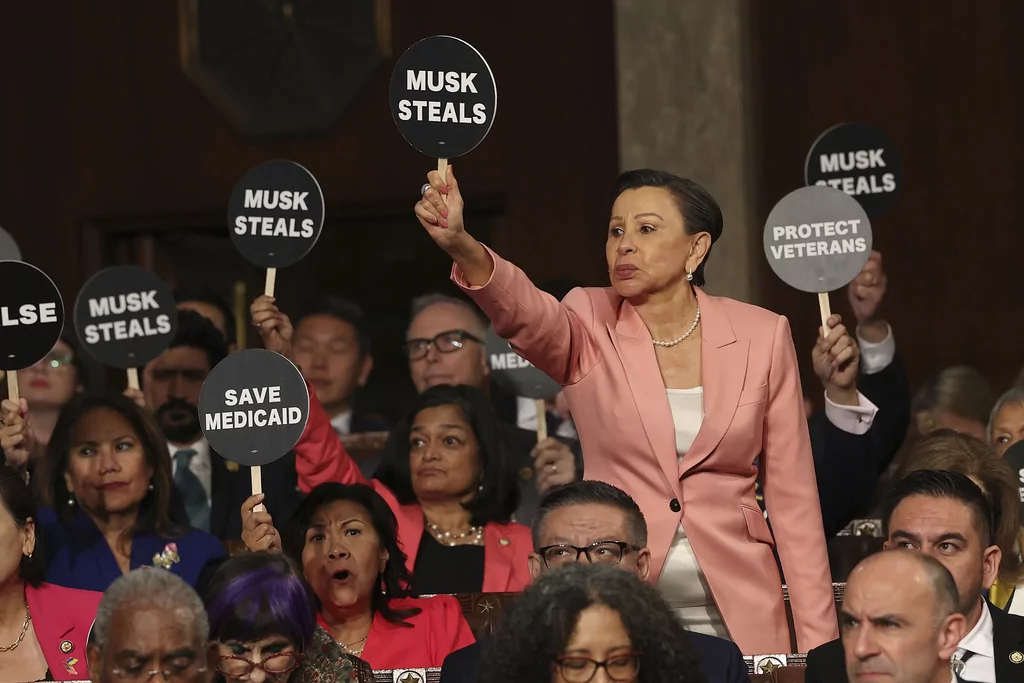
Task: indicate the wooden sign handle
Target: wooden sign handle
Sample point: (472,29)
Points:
(133,378)
(442,169)
(826,312)
(542,419)
(256,472)
(268,288)
(12,386)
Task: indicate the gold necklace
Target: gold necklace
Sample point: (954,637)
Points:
(24,630)
(350,647)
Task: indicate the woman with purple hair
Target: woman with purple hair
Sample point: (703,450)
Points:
(263,620)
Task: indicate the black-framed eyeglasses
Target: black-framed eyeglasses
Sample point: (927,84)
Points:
(234,666)
(602,552)
(446,342)
(620,667)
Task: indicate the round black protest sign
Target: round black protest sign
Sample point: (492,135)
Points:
(514,373)
(253,407)
(276,213)
(31,315)
(859,160)
(9,250)
(125,316)
(443,97)
(1014,457)
(817,239)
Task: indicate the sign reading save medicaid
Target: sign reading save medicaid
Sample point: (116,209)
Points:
(443,97)
(125,316)
(31,315)
(253,407)
(276,213)
(817,239)
(514,373)
(859,160)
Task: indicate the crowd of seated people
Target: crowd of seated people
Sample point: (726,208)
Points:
(674,527)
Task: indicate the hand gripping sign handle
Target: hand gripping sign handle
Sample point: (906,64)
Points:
(133,378)
(257,485)
(268,288)
(12,386)
(826,312)
(542,419)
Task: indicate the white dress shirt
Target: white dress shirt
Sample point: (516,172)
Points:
(342,423)
(981,667)
(199,465)
(874,357)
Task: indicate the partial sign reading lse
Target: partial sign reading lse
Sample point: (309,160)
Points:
(253,407)
(859,160)
(443,97)
(125,316)
(514,373)
(817,239)
(276,214)
(31,315)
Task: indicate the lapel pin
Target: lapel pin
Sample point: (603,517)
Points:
(526,472)
(504,541)
(69,665)
(1016,657)
(232,466)
(66,646)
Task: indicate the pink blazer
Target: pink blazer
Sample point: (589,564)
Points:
(62,618)
(320,458)
(596,345)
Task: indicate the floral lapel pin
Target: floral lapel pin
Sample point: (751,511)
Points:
(168,557)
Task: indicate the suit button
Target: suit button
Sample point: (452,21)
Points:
(674,506)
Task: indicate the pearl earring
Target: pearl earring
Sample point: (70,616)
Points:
(689,274)
(71,501)
(151,487)
(480,488)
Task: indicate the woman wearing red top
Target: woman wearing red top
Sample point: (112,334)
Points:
(345,540)
(443,471)
(43,628)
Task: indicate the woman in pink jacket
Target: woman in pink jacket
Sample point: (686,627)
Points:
(681,399)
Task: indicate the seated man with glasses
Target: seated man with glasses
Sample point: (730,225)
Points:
(150,625)
(591,521)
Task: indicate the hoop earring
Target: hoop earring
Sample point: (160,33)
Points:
(689,274)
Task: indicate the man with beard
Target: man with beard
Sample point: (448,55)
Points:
(211,487)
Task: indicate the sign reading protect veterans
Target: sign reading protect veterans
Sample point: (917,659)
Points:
(514,373)
(253,407)
(125,316)
(276,214)
(817,239)
(31,315)
(859,160)
(443,97)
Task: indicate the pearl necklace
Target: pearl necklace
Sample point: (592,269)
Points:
(474,533)
(693,327)
(350,648)
(24,630)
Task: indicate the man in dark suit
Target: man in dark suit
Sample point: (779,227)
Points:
(333,348)
(946,515)
(211,488)
(590,521)
(445,345)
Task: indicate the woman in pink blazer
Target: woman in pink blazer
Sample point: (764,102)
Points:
(44,627)
(681,399)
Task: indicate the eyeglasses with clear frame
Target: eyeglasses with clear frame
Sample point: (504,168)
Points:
(56,360)
(620,667)
(234,666)
(601,552)
(446,342)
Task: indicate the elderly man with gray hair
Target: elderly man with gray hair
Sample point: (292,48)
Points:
(150,622)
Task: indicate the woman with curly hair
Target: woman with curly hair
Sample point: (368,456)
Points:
(583,618)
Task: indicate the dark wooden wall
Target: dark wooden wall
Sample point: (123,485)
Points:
(99,125)
(945,81)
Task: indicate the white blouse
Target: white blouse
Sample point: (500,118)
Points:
(682,583)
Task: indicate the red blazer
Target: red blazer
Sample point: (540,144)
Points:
(320,458)
(62,618)
(437,631)
(596,346)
